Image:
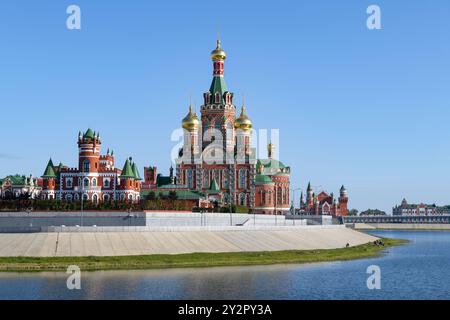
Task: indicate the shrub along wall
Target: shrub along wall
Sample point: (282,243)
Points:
(55,205)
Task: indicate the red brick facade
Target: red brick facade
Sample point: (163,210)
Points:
(96,179)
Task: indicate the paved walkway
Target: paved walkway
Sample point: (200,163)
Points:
(159,242)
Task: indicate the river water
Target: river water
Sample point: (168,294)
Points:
(418,270)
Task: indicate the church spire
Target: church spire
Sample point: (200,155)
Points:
(218,57)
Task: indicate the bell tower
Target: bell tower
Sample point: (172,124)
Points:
(218,111)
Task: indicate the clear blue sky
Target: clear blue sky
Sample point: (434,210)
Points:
(368,109)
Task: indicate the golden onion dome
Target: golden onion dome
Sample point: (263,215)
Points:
(243,122)
(191,120)
(218,54)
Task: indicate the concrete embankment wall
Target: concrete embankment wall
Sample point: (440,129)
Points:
(402,226)
(21,222)
(261,238)
(33,221)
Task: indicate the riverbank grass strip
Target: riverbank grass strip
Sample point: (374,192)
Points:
(189,260)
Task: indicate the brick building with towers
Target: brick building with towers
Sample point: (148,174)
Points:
(95,179)
(217,152)
(324,203)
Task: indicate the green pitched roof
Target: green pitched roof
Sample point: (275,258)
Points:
(214,188)
(89,134)
(218,85)
(271,166)
(16,180)
(127,171)
(181,194)
(262,179)
(49,170)
(137,176)
(270,163)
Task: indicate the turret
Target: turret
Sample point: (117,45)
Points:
(127,176)
(343,201)
(49,176)
(309,196)
(89,152)
(243,126)
(190,124)
(49,181)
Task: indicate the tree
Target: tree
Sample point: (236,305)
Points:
(173,195)
(373,212)
(352,212)
(151,195)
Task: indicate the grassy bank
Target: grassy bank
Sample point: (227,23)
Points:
(24,264)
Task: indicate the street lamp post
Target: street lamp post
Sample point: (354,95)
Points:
(275,204)
(82,199)
(76,189)
(293,203)
(231,212)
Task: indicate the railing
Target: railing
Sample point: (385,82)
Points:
(314,219)
(397,219)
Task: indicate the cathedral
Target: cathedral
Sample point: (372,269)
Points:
(95,179)
(217,152)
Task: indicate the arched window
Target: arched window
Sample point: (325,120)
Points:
(85,197)
(217,97)
(106,183)
(106,197)
(242,178)
(130,197)
(242,199)
(86,166)
(224,179)
(69,182)
(69,197)
(190,178)
(77,197)
(206,178)
(122,197)
(95,198)
(94,182)
(86,182)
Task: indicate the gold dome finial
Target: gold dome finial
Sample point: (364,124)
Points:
(218,54)
(243,122)
(270,149)
(191,121)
